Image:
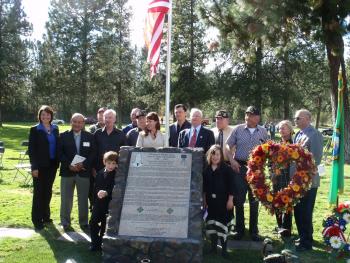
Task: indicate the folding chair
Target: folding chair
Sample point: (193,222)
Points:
(23,155)
(23,169)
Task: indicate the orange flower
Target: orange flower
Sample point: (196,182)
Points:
(285,199)
(265,148)
(269,197)
(295,155)
(259,191)
(279,159)
(296,188)
(257,159)
(290,151)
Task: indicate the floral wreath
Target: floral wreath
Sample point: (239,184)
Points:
(334,228)
(279,156)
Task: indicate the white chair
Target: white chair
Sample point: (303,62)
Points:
(23,155)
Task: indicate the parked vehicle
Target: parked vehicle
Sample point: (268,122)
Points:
(327,132)
(90,120)
(57,121)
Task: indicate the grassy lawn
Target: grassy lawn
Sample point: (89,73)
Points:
(15,209)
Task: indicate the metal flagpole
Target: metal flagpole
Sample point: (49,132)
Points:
(167,88)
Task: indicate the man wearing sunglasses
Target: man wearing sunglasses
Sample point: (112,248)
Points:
(312,140)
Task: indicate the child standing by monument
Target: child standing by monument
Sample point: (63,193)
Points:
(218,198)
(104,183)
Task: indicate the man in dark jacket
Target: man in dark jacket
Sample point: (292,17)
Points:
(77,154)
(197,135)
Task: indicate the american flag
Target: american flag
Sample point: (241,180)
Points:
(157,9)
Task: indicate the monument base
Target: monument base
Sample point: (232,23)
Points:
(145,248)
(139,249)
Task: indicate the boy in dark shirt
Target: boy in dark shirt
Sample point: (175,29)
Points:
(104,183)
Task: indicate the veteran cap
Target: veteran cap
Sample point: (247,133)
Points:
(141,113)
(252,110)
(222,114)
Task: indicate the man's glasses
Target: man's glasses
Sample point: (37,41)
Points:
(298,118)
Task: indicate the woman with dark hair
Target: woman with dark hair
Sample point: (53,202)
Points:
(42,150)
(218,198)
(151,135)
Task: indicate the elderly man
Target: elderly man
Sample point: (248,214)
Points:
(76,142)
(133,123)
(242,140)
(222,130)
(109,138)
(100,124)
(197,135)
(133,134)
(312,140)
(180,124)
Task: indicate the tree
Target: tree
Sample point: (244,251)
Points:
(13,52)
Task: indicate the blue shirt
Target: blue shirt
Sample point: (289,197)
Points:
(51,139)
(192,131)
(128,128)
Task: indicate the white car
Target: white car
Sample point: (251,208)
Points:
(56,121)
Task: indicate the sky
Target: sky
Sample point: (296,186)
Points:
(37,13)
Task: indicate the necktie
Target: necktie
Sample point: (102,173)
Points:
(193,139)
(221,138)
(77,142)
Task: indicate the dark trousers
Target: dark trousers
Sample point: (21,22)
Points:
(284,220)
(303,217)
(98,222)
(242,188)
(42,193)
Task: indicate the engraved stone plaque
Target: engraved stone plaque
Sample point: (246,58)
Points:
(157,195)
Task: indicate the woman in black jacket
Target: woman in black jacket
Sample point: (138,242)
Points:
(43,140)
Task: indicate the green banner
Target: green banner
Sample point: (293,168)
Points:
(337,179)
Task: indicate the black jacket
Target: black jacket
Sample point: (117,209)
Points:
(38,148)
(174,132)
(205,138)
(67,151)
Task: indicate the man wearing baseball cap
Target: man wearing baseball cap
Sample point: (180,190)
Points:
(222,130)
(100,123)
(133,134)
(244,138)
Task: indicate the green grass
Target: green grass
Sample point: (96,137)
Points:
(15,210)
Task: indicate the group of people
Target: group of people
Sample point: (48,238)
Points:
(88,161)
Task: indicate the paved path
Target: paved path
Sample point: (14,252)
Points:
(27,233)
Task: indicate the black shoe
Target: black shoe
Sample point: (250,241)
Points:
(301,248)
(237,236)
(85,228)
(38,227)
(48,221)
(95,248)
(255,237)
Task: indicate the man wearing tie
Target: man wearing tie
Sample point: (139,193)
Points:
(312,140)
(244,138)
(76,142)
(180,124)
(197,135)
(222,130)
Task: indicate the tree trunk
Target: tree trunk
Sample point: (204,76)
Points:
(319,105)
(258,74)
(336,61)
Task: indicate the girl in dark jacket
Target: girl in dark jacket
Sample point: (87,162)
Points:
(218,198)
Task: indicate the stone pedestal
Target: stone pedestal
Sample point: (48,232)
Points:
(139,230)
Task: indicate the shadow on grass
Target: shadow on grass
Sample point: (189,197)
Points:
(64,251)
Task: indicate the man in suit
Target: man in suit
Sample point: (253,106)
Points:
(197,135)
(76,142)
(181,123)
(312,140)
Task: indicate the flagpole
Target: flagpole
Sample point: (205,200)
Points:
(167,88)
